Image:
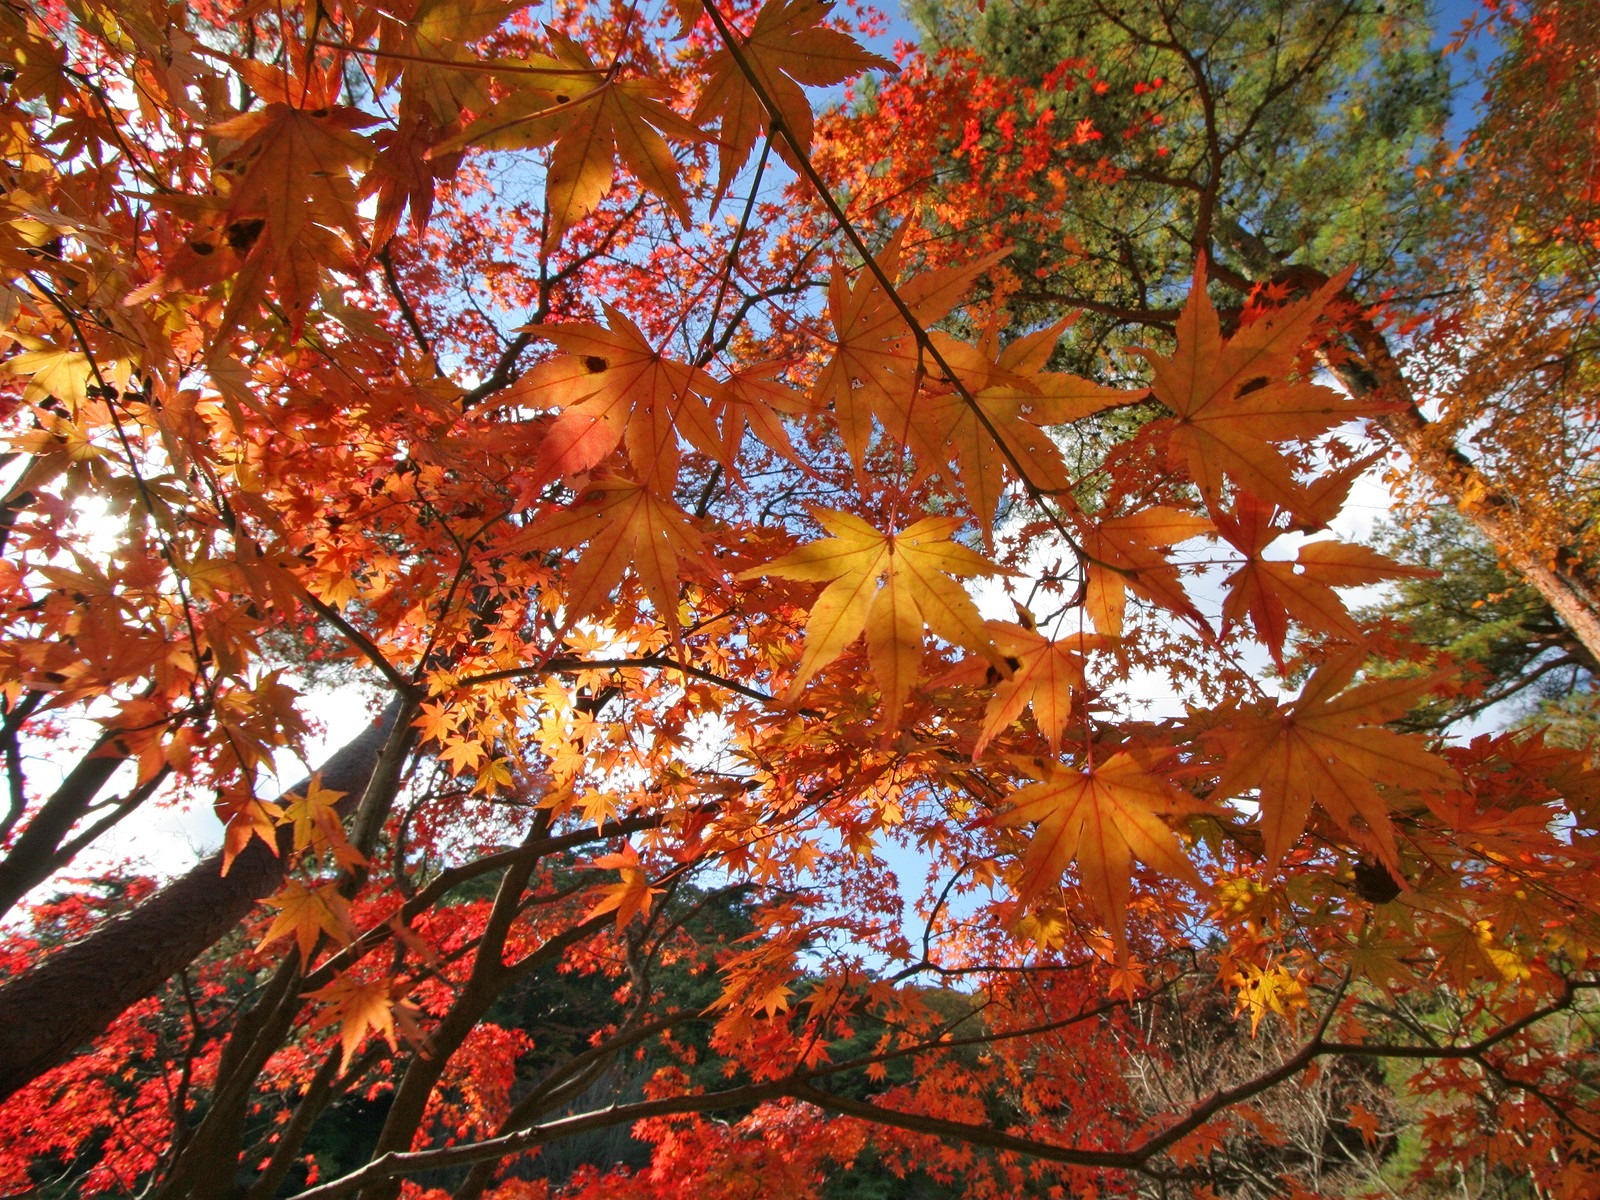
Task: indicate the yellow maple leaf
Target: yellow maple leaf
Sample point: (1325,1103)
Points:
(64,374)
(1102,818)
(917,567)
(360,1007)
(1271,989)
(315,818)
(305,913)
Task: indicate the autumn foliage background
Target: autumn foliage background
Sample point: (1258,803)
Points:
(864,696)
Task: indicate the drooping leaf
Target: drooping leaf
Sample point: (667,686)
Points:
(360,1007)
(620,525)
(1274,591)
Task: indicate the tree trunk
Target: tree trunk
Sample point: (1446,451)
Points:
(76,992)
(1557,573)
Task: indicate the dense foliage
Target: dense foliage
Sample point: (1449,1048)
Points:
(819,575)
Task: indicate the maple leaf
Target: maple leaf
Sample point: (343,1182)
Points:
(1234,398)
(1102,818)
(462,753)
(1468,951)
(360,1007)
(1271,989)
(314,815)
(1274,591)
(876,362)
(599,117)
(289,181)
(305,913)
(916,568)
(1380,960)
(998,428)
(614,388)
(787,47)
(1329,747)
(246,817)
(51,371)
(428,46)
(629,898)
(1125,552)
(1044,674)
(404,171)
(620,524)
(753,399)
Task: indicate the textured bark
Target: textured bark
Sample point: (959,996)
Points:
(76,992)
(31,857)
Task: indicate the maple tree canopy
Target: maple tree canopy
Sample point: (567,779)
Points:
(827,719)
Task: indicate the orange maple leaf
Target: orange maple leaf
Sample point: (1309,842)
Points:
(315,817)
(916,568)
(594,117)
(1329,746)
(291,181)
(1125,552)
(632,895)
(787,47)
(305,913)
(614,388)
(753,399)
(876,362)
(1045,674)
(431,50)
(999,428)
(1102,818)
(360,1007)
(246,817)
(1273,591)
(621,524)
(1234,398)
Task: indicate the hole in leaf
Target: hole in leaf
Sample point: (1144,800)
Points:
(241,235)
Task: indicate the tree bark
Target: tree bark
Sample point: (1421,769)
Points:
(76,992)
(31,857)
